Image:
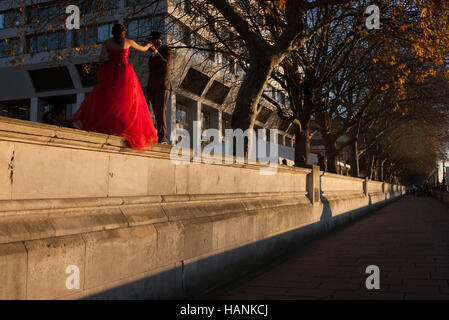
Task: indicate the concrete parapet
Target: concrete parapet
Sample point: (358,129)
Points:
(135,225)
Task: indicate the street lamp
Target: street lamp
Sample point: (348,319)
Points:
(444,176)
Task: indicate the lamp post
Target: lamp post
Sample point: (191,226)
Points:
(444,175)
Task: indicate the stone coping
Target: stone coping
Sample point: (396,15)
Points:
(9,206)
(44,134)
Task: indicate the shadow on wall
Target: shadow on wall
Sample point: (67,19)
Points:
(195,279)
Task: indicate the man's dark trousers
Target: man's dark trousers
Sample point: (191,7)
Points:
(159,87)
(159,99)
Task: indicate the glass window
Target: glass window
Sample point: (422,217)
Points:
(93,34)
(226,123)
(130,3)
(104,32)
(205,120)
(15,109)
(141,28)
(9,19)
(45,13)
(98,5)
(224,61)
(145,28)
(280,97)
(9,47)
(45,42)
(182,116)
(133,29)
(240,71)
(270,91)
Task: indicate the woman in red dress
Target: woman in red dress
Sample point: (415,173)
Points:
(117,106)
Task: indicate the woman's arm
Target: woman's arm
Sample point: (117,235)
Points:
(138,47)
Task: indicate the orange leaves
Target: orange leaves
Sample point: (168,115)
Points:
(282,4)
(424,12)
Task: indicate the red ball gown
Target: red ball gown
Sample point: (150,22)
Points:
(117,106)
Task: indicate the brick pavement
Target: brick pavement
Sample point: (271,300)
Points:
(408,240)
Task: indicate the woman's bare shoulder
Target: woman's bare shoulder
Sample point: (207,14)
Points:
(129,42)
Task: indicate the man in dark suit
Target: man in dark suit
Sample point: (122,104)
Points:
(159,84)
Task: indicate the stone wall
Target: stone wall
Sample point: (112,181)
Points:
(138,226)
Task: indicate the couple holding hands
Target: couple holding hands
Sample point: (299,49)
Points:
(117,105)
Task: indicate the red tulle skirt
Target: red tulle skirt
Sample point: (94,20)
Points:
(117,106)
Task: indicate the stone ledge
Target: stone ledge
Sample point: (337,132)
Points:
(37,219)
(37,133)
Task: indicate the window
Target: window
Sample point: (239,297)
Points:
(226,123)
(104,32)
(280,97)
(270,91)
(51,79)
(264,114)
(93,34)
(240,71)
(205,120)
(180,33)
(9,47)
(217,92)
(211,54)
(195,82)
(15,109)
(98,5)
(182,116)
(130,3)
(205,124)
(88,73)
(9,19)
(47,13)
(284,125)
(141,28)
(69,101)
(46,42)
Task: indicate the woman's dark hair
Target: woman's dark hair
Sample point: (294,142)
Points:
(119,31)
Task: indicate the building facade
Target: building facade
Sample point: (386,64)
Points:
(42,64)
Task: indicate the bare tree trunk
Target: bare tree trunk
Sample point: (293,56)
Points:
(370,166)
(331,153)
(302,145)
(248,97)
(355,159)
(382,170)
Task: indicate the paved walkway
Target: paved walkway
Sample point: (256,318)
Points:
(408,240)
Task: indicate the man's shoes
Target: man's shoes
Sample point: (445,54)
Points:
(163,142)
